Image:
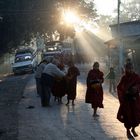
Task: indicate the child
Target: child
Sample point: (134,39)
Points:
(111,76)
(71,77)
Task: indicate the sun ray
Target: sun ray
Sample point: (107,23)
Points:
(70,17)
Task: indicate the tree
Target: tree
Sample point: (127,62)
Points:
(130,11)
(24,18)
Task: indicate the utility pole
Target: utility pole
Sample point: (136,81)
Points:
(120,43)
(119,2)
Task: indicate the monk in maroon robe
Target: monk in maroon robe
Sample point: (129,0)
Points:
(71,77)
(94,93)
(59,86)
(128,91)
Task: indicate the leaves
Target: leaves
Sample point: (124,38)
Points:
(23,18)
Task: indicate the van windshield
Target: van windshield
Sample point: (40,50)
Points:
(23,58)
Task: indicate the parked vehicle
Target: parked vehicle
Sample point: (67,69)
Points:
(25,62)
(52,49)
(24,51)
(50,54)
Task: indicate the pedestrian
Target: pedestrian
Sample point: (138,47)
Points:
(59,89)
(127,61)
(71,79)
(50,72)
(38,73)
(111,76)
(59,86)
(128,91)
(94,92)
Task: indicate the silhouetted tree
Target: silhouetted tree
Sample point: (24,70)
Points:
(22,19)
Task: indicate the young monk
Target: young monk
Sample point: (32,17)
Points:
(71,79)
(128,91)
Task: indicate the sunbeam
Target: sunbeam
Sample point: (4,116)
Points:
(92,47)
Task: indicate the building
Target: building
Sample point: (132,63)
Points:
(125,43)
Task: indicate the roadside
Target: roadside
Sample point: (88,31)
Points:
(11,91)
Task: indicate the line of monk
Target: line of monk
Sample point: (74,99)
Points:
(128,91)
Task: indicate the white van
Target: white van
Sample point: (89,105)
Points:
(50,54)
(25,62)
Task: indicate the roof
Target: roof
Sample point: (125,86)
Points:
(25,54)
(126,23)
(24,50)
(112,43)
(53,43)
(126,29)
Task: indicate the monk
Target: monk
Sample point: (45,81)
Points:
(128,91)
(59,86)
(94,93)
(71,79)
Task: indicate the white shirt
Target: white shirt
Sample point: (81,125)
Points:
(39,70)
(53,70)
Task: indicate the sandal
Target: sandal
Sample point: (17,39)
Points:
(95,115)
(129,136)
(134,133)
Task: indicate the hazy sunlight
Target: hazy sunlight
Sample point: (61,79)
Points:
(105,7)
(70,17)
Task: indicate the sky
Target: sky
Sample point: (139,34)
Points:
(106,7)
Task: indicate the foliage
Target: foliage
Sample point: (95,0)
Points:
(22,19)
(130,11)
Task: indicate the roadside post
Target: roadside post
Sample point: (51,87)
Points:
(40,46)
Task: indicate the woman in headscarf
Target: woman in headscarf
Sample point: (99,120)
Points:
(128,91)
(94,93)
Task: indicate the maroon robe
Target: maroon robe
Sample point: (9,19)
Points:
(94,93)
(72,74)
(129,97)
(59,85)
